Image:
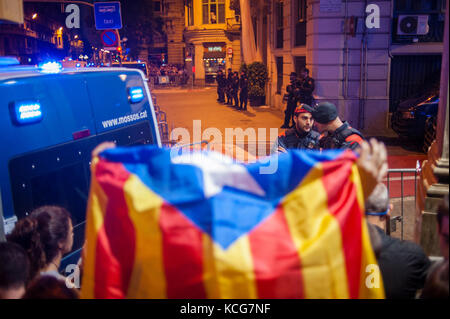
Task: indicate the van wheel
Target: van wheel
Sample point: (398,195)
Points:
(430,133)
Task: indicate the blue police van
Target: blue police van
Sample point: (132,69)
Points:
(50,120)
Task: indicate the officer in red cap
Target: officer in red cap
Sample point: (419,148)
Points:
(301,136)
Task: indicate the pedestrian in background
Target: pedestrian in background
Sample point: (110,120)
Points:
(229,84)
(46,235)
(243,96)
(235,89)
(14,271)
(403,264)
(306,88)
(220,86)
(291,97)
(437,282)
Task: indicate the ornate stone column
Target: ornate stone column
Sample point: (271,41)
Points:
(434,179)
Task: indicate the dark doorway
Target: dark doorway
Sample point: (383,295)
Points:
(413,76)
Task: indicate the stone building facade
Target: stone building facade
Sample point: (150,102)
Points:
(364,71)
(212,38)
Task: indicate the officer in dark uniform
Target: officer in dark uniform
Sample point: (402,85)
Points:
(229,84)
(235,89)
(291,96)
(243,96)
(306,88)
(301,136)
(221,84)
(335,134)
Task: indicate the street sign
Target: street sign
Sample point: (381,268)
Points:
(107,15)
(110,38)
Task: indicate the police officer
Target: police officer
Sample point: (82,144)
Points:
(335,134)
(235,89)
(243,96)
(306,88)
(221,84)
(292,97)
(301,136)
(229,87)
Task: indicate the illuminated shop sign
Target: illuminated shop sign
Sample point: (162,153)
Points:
(215,49)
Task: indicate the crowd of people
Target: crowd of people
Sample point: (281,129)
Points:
(177,74)
(234,88)
(31,256)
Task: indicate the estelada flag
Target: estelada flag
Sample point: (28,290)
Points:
(201,225)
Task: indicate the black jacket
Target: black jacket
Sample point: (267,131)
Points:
(295,140)
(344,137)
(221,81)
(403,265)
(243,84)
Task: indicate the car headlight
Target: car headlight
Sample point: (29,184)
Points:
(408,115)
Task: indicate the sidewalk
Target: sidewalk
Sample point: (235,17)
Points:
(181,89)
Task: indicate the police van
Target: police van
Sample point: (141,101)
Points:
(51,119)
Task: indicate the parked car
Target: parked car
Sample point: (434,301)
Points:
(416,119)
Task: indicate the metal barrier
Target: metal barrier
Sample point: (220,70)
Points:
(162,81)
(392,224)
(180,147)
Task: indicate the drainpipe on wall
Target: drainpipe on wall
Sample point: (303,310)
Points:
(345,52)
(363,75)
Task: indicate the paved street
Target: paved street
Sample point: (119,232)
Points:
(185,105)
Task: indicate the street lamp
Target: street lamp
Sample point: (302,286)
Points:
(76,36)
(34,16)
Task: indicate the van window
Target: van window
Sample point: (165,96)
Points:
(140,66)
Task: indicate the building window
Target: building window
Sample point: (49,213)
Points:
(299,63)
(279,74)
(300,22)
(279,23)
(213,11)
(190,12)
(418,21)
(157,7)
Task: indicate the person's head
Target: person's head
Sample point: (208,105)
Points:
(377,205)
(49,287)
(293,76)
(442,217)
(304,73)
(303,119)
(14,271)
(229,70)
(325,116)
(242,73)
(46,235)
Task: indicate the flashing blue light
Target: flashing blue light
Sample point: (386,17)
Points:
(78,65)
(135,94)
(27,112)
(7,61)
(50,67)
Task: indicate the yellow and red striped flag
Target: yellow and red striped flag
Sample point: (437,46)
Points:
(204,226)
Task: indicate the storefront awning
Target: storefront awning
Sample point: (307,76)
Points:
(214,55)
